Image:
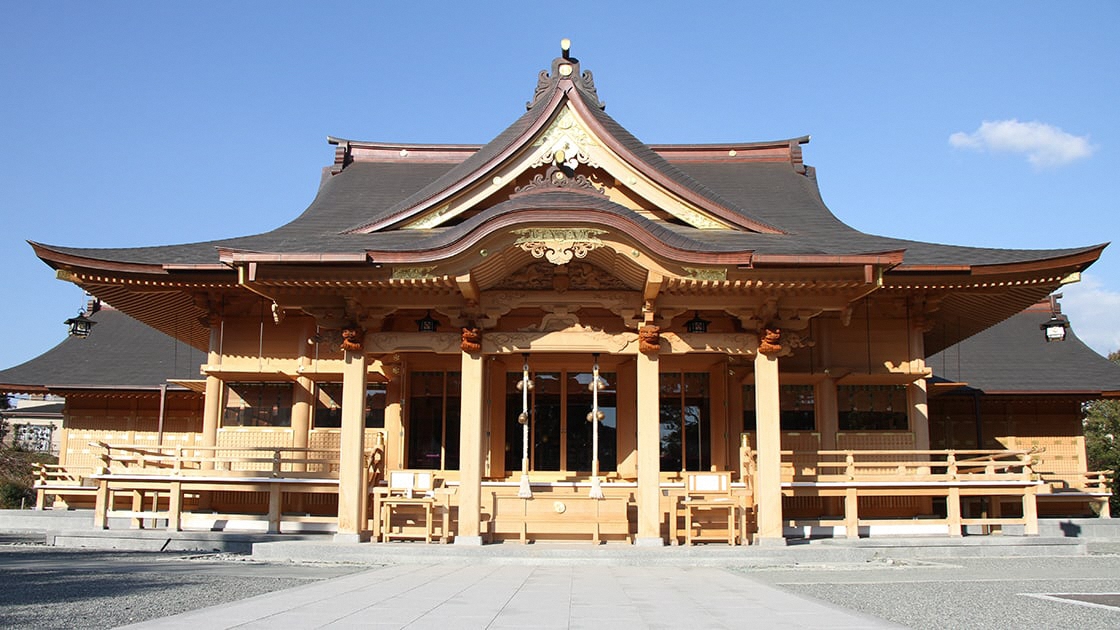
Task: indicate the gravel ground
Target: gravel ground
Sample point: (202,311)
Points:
(974,593)
(47,587)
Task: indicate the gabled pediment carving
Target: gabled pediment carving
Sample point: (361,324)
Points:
(574,276)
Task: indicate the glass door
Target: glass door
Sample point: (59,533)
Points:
(560,434)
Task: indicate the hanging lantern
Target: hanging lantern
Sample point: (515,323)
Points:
(696,324)
(80,326)
(1055,328)
(427,324)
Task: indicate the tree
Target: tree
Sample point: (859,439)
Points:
(1102,438)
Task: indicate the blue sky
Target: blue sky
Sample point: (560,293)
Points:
(146,123)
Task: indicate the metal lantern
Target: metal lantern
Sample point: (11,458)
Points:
(80,326)
(427,324)
(696,324)
(1055,328)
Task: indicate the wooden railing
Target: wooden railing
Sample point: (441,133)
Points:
(928,466)
(62,482)
(261,461)
(857,476)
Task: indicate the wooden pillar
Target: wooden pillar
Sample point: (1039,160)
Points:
(394,419)
(768,437)
(917,393)
(720,435)
(211,415)
(303,404)
(470,450)
(627,423)
(828,425)
(212,404)
(919,413)
(828,413)
(351,458)
(649,452)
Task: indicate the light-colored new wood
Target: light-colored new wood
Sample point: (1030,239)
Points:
(708,493)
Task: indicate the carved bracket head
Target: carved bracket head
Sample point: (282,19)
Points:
(471,340)
(649,339)
(770,341)
(352,338)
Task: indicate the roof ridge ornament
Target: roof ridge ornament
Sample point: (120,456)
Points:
(565,67)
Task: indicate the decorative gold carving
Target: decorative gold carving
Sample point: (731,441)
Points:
(559,245)
(770,343)
(713,275)
(413,273)
(695,219)
(649,339)
(471,340)
(565,137)
(352,338)
(430,220)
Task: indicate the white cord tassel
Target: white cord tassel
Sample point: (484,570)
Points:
(596,488)
(525,492)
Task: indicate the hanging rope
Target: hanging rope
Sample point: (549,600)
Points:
(525,492)
(595,416)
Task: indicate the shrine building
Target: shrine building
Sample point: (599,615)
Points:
(566,333)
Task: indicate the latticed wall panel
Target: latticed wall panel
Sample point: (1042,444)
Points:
(249,438)
(875,440)
(76,449)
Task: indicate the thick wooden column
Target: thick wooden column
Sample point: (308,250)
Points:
(351,457)
(470,451)
(827,413)
(768,436)
(828,425)
(919,414)
(394,421)
(212,403)
(917,393)
(649,452)
(211,412)
(303,405)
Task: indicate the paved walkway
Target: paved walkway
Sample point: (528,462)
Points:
(472,596)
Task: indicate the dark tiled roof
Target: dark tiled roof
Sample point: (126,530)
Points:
(1013,356)
(769,193)
(120,353)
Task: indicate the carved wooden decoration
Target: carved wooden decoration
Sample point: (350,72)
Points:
(576,276)
(649,339)
(471,340)
(352,338)
(770,343)
(559,245)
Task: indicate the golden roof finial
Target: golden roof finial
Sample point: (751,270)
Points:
(566,48)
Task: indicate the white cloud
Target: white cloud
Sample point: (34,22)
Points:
(1044,145)
(1092,309)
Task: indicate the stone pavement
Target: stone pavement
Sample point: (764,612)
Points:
(506,596)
